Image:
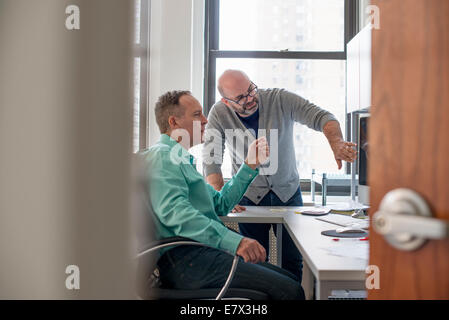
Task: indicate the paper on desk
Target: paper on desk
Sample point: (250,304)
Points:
(278,210)
(315,209)
(357,249)
(345,221)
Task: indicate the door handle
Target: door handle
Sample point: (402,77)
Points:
(405,220)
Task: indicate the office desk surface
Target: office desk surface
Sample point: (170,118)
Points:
(305,231)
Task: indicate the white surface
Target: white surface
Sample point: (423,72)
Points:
(359,249)
(306,233)
(323,255)
(316,209)
(365,67)
(254,214)
(347,221)
(353,75)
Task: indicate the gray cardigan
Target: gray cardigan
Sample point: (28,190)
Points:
(278,110)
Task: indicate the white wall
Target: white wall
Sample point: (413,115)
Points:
(65,144)
(176,51)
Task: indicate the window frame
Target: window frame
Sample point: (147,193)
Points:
(212,52)
(141,50)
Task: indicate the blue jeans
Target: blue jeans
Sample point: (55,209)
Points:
(291,257)
(192,267)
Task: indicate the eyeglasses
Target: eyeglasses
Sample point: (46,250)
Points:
(252,91)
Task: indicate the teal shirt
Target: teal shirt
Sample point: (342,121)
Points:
(184,204)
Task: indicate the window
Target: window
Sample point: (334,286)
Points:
(311,63)
(140,73)
(243,24)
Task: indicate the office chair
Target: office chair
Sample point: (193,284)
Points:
(148,284)
(152,288)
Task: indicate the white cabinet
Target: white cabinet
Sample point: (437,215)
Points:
(358,71)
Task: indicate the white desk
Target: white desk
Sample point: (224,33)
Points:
(331,272)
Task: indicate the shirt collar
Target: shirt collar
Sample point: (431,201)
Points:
(169,141)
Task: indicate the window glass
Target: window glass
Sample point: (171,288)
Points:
(136,107)
(137,6)
(296,25)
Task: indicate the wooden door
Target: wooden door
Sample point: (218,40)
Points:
(409,138)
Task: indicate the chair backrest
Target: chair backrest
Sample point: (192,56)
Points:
(143,225)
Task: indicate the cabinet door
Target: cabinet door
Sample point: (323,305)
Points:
(353,75)
(365,67)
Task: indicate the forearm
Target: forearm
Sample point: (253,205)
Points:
(332,131)
(233,190)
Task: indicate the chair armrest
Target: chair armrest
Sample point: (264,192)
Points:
(162,242)
(177,241)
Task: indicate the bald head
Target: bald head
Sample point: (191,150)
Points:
(233,82)
(238,92)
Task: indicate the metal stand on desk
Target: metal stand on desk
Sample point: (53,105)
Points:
(324,188)
(327,180)
(312,185)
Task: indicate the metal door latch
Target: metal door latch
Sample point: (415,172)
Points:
(405,220)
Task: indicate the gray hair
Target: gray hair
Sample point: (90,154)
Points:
(168,105)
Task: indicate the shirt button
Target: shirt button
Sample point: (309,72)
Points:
(258,197)
(250,175)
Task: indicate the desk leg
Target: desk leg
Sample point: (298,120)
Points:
(323,290)
(307,281)
(279,244)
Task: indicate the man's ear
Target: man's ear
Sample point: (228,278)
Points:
(225,101)
(172,122)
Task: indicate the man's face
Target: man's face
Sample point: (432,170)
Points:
(242,97)
(193,122)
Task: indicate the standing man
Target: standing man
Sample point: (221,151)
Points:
(244,107)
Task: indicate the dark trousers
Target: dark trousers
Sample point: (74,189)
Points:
(191,267)
(291,257)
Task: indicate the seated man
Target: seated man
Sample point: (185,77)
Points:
(185,205)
